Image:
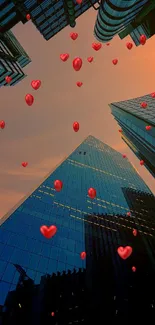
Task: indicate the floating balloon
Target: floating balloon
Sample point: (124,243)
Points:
(143,104)
(2,124)
(29,99)
(79,2)
(96,46)
(73,36)
(142,39)
(133,269)
(76,126)
(58,185)
(28,17)
(8,79)
(134,232)
(120,131)
(83,255)
(52,313)
(141,162)
(128,214)
(79,83)
(92,192)
(24,164)
(124,252)
(36,84)
(129,45)
(77,64)
(90,59)
(48,232)
(64,57)
(107,44)
(153,95)
(148,127)
(124,156)
(115,61)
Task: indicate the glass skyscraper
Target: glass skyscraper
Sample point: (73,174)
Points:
(113,17)
(49,16)
(12,59)
(96,226)
(142,24)
(133,120)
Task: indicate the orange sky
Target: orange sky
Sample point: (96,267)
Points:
(42,134)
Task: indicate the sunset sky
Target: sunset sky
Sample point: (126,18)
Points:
(42,134)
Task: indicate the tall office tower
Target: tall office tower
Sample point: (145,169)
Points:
(95,226)
(12,59)
(49,16)
(138,126)
(113,17)
(142,24)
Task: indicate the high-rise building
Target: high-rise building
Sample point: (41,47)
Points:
(142,24)
(12,59)
(114,17)
(134,121)
(96,226)
(49,16)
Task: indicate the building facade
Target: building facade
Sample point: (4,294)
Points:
(133,119)
(49,16)
(142,24)
(12,59)
(114,16)
(97,227)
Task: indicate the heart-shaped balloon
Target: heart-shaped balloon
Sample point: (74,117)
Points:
(29,99)
(24,164)
(124,252)
(8,79)
(115,61)
(64,57)
(36,84)
(74,36)
(134,232)
(48,232)
(148,127)
(96,46)
(90,59)
(79,83)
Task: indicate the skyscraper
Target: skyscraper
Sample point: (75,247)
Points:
(97,226)
(134,121)
(12,59)
(113,17)
(142,24)
(49,16)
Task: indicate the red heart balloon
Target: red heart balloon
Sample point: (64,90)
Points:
(92,192)
(77,64)
(142,39)
(79,2)
(76,126)
(124,156)
(133,269)
(115,61)
(64,57)
(134,232)
(141,162)
(153,95)
(28,16)
(52,313)
(96,46)
(24,164)
(36,84)
(2,124)
(58,185)
(29,99)
(48,232)
(129,45)
(107,44)
(8,79)
(128,214)
(143,104)
(124,252)
(148,127)
(120,131)
(90,59)
(79,83)
(83,255)
(74,36)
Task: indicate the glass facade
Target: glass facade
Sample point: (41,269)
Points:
(113,17)
(12,59)
(81,222)
(133,120)
(50,17)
